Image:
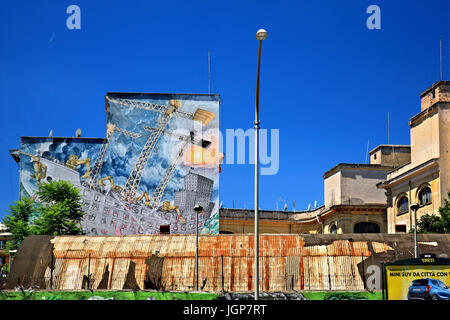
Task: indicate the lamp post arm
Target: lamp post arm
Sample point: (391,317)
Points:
(257,83)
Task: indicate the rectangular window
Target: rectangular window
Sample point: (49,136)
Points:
(2,244)
(2,260)
(164,229)
(400,228)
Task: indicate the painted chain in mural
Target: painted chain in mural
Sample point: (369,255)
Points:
(159,159)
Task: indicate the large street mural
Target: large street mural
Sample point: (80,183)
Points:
(159,158)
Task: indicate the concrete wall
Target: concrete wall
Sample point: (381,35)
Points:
(238,221)
(390,155)
(354,186)
(268,227)
(425,139)
(332,189)
(359,186)
(346,221)
(444,160)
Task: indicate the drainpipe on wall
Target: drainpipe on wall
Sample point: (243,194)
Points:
(409,207)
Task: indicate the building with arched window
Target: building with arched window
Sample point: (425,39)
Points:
(425,179)
(5,256)
(374,197)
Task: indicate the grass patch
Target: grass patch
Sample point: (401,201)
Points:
(112,295)
(342,295)
(160,295)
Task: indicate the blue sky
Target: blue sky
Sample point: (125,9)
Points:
(327,81)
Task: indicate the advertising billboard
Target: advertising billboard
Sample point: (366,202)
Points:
(418,279)
(159,158)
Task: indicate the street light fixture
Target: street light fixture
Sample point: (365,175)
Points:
(197,208)
(261,35)
(414,207)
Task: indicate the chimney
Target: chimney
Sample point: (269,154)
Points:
(438,92)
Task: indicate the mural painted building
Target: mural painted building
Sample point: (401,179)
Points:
(158,159)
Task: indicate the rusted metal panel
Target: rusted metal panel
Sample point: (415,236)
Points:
(292,273)
(360,248)
(71,269)
(312,251)
(98,266)
(317,274)
(342,273)
(226,262)
(141,270)
(338,248)
(358,281)
(120,268)
(380,247)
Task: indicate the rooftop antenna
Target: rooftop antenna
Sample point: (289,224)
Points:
(440,59)
(367,152)
(280,199)
(209,72)
(309,206)
(293,205)
(388,127)
(317,217)
(393,155)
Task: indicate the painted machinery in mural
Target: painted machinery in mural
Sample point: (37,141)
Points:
(116,210)
(112,209)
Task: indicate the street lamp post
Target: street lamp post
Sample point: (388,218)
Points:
(197,209)
(415,206)
(261,35)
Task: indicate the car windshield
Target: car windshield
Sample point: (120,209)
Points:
(421,282)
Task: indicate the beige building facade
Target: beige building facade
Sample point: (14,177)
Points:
(353,204)
(5,256)
(424,180)
(374,197)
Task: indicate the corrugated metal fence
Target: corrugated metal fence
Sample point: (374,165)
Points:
(287,262)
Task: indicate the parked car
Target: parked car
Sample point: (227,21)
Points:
(428,289)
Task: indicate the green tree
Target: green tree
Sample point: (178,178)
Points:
(19,222)
(436,224)
(61,212)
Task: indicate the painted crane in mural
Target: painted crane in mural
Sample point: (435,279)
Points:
(40,169)
(130,189)
(110,130)
(187,140)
